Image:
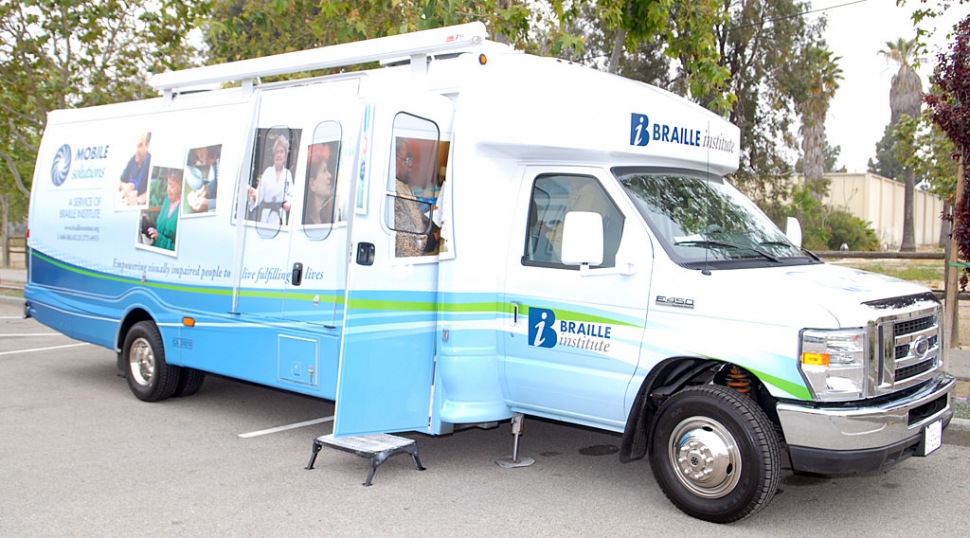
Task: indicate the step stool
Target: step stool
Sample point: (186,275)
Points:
(378,447)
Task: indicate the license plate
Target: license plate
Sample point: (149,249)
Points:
(932,437)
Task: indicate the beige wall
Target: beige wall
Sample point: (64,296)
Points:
(879,201)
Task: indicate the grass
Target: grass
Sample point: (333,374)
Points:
(961,409)
(926,272)
(7,292)
(913,272)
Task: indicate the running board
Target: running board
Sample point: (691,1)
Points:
(378,447)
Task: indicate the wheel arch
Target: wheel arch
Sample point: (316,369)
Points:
(130,318)
(670,376)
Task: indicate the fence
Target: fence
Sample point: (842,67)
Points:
(13,251)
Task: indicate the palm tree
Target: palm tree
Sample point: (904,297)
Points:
(905,97)
(824,81)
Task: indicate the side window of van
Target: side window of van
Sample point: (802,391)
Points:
(413,186)
(555,195)
(321,208)
(270,189)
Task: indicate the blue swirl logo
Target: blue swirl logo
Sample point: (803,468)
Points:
(61,165)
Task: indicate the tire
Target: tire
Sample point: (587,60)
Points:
(715,454)
(190,381)
(150,378)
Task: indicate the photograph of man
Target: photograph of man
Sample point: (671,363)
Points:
(133,188)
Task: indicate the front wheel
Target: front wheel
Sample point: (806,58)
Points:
(150,378)
(714,453)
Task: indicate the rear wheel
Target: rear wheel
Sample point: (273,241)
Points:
(190,381)
(714,453)
(150,378)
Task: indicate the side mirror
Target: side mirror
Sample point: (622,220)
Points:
(793,231)
(582,238)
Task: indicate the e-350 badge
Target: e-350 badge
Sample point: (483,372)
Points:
(675,301)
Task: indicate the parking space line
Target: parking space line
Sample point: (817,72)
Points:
(29,334)
(12,317)
(284,428)
(41,349)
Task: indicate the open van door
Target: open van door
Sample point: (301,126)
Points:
(386,373)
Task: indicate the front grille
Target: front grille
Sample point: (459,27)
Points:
(911,326)
(914,370)
(910,350)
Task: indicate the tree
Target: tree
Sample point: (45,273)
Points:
(831,160)
(886,164)
(812,103)
(905,98)
(760,44)
(684,27)
(241,29)
(646,63)
(63,54)
(950,110)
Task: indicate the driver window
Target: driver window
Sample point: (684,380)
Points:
(552,197)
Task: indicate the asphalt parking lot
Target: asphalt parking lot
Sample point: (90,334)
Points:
(80,456)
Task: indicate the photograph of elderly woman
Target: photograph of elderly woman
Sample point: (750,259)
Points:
(158,225)
(270,190)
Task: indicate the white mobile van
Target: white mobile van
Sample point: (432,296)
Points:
(470,234)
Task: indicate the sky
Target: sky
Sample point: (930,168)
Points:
(860,110)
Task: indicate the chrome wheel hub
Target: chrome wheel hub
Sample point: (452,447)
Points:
(705,457)
(141,362)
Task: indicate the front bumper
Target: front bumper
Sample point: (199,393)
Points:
(843,439)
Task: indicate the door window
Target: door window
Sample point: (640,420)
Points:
(554,195)
(321,205)
(270,189)
(413,186)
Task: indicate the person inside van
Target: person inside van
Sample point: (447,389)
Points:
(133,189)
(270,199)
(408,220)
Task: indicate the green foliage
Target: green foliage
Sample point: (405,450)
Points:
(938,162)
(63,54)
(763,44)
(241,29)
(846,228)
(886,164)
(831,160)
(823,227)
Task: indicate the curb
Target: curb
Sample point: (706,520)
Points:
(959,424)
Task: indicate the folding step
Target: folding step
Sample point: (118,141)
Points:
(378,447)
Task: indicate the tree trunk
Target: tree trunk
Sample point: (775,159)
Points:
(951,312)
(909,236)
(945,227)
(617,50)
(6,231)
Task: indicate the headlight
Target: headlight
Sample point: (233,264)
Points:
(833,363)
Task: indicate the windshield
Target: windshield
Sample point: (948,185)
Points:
(707,222)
